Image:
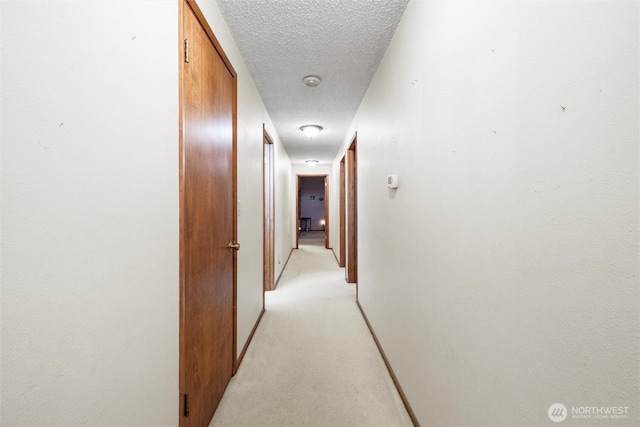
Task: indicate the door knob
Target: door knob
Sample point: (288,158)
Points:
(234,245)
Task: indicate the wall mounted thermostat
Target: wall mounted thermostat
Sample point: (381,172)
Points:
(392,181)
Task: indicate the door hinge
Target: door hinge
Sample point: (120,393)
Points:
(185,405)
(186,50)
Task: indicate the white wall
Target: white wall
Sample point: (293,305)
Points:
(513,127)
(334,204)
(89,279)
(89,213)
(285,202)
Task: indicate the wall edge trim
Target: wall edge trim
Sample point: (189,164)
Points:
(246,345)
(335,256)
(412,415)
(282,271)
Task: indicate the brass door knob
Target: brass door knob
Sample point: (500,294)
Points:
(234,245)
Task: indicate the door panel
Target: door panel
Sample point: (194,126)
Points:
(207,225)
(298,201)
(343,225)
(352,214)
(326,214)
(269,214)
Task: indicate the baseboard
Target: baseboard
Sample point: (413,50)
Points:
(275,285)
(336,257)
(246,345)
(390,369)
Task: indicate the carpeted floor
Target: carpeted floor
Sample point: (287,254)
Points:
(312,361)
(315,238)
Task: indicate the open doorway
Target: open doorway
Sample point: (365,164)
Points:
(313,210)
(269,212)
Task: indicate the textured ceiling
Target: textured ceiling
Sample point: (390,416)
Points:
(342,41)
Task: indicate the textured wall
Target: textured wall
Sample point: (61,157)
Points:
(285,221)
(502,275)
(89,213)
(334,205)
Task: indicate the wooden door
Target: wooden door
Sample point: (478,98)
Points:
(298,212)
(343,226)
(326,213)
(207,220)
(269,213)
(352,214)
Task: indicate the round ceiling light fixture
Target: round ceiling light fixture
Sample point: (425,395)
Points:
(311,81)
(311,130)
(312,163)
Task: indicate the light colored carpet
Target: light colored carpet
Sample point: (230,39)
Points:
(312,361)
(315,238)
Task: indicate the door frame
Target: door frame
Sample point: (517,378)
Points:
(351,168)
(326,212)
(192,4)
(343,226)
(326,206)
(268,205)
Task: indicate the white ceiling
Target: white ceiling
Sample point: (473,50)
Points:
(342,41)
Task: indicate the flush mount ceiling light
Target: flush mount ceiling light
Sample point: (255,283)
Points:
(311,130)
(312,163)
(311,81)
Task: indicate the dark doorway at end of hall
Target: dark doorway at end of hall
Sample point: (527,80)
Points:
(313,207)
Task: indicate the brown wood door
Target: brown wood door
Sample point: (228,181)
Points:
(298,207)
(343,226)
(326,213)
(352,214)
(207,264)
(269,213)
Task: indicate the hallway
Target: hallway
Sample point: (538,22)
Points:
(500,276)
(312,360)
